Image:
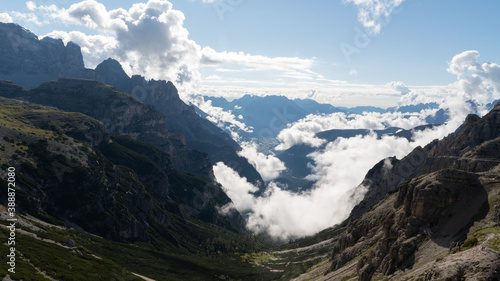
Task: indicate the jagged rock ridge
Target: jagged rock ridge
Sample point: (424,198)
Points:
(29,62)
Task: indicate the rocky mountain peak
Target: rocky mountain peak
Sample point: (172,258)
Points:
(24,58)
(111,72)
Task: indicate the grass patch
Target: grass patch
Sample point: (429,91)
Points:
(258,258)
(352,276)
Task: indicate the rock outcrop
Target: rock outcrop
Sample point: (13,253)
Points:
(120,113)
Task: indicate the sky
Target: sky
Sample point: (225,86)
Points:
(347,52)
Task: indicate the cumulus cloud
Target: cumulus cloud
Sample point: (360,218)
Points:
(399,86)
(268,166)
(425,96)
(476,82)
(212,57)
(29,17)
(5,17)
(464,62)
(373,13)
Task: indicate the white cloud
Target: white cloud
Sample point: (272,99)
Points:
(31,5)
(213,77)
(29,17)
(425,96)
(280,213)
(268,166)
(5,17)
(374,13)
(476,82)
(238,189)
(223,119)
(89,13)
(399,86)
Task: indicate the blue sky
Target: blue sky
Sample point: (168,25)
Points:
(414,44)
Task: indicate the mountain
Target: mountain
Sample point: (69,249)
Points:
(434,215)
(296,160)
(29,62)
(111,206)
(413,107)
(77,169)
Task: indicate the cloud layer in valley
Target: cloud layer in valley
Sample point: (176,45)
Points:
(340,166)
(268,166)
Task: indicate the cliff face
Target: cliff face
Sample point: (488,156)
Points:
(428,222)
(24,58)
(120,113)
